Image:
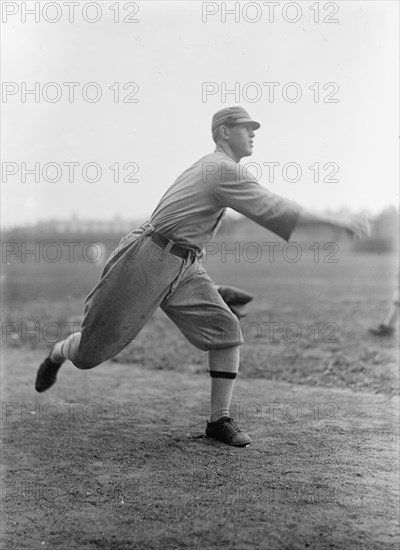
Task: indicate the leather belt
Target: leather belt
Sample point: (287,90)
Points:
(175,249)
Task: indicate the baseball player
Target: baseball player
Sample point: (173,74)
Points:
(159,265)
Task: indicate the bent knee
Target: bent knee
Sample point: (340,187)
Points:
(85,363)
(227,334)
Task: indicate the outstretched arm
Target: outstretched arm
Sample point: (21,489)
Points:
(356,226)
(242,192)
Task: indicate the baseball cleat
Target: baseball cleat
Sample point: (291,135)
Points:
(227,431)
(382,330)
(46,375)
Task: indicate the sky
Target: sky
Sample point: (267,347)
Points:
(146,89)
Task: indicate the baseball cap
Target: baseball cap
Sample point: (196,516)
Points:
(232,115)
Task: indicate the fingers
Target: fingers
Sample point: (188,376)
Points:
(367,229)
(359,228)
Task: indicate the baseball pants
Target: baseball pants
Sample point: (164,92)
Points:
(139,277)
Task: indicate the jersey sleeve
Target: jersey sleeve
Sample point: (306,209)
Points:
(245,195)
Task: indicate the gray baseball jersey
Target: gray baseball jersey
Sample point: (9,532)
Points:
(192,209)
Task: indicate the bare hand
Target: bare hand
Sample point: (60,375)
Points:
(357,227)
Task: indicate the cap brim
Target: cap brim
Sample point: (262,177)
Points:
(254,124)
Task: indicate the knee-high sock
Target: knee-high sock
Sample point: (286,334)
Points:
(66,349)
(223,365)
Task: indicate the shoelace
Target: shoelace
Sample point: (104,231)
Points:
(232,424)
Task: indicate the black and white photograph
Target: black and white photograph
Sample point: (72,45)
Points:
(200,275)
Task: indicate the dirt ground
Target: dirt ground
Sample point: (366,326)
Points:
(124,464)
(116,457)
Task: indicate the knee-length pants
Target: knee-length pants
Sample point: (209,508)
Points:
(139,277)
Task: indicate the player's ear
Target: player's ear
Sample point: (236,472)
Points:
(224,131)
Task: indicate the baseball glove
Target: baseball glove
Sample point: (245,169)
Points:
(236,299)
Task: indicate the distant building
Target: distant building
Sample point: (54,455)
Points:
(78,226)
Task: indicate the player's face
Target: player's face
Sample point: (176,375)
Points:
(240,140)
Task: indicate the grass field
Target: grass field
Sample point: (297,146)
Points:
(115,457)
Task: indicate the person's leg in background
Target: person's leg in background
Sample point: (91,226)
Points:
(388,326)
